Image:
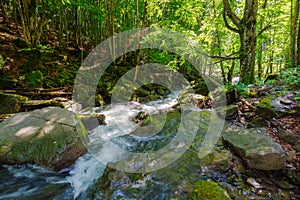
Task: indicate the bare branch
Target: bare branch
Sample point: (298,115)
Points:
(228,57)
(264,29)
(227,24)
(231,15)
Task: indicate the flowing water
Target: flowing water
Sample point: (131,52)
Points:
(32,182)
(90,178)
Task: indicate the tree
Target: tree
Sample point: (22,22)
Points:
(33,20)
(246,28)
(294,23)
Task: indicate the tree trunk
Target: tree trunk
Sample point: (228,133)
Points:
(260,46)
(230,72)
(246,28)
(294,22)
(259,60)
(298,44)
(248,42)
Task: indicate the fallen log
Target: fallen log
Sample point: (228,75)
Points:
(39,104)
(40,93)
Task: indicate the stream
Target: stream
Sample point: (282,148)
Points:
(93,176)
(33,182)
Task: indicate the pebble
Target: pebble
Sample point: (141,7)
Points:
(254,183)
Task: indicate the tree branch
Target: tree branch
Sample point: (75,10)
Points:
(229,57)
(228,11)
(264,29)
(227,24)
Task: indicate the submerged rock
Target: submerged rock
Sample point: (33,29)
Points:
(218,157)
(256,148)
(11,103)
(171,182)
(49,137)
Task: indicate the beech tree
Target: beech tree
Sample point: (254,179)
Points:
(246,28)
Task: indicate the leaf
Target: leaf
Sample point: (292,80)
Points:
(297,97)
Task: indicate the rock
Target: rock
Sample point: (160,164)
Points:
(257,123)
(11,103)
(230,111)
(270,107)
(197,100)
(293,176)
(256,148)
(288,137)
(208,190)
(290,155)
(254,183)
(139,117)
(218,157)
(297,146)
(92,121)
(222,97)
(176,179)
(285,100)
(50,137)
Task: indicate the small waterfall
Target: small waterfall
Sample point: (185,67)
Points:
(89,168)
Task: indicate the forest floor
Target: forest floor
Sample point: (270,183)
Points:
(56,64)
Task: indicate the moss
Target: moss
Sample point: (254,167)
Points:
(265,108)
(148,120)
(81,130)
(207,190)
(11,103)
(265,103)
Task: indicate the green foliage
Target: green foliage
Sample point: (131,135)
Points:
(240,86)
(2,62)
(34,79)
(297,97)
(291,76)
(147,121)
(40,49)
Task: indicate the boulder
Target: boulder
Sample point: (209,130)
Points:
(270,107)
(174,180)
(50,137)
(256,148)
(11,103)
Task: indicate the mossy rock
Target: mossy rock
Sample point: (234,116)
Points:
(270,107)
(256,148)
(11,103)
(218,157)
(51,137)
(207,190)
